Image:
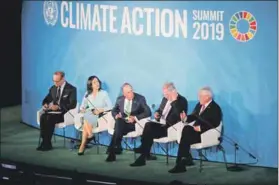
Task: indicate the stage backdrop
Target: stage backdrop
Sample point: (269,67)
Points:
(229,46)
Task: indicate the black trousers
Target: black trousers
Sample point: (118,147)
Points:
(189,136)
(121,128)
(152,130)
(47,125)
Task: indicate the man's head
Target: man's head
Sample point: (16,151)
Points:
(205,95)
(168,89)
(58,78)
(128,92)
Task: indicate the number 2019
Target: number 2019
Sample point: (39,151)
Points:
(205,31)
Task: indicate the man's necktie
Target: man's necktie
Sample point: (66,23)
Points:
(58,95)
(128,108)
(202,108)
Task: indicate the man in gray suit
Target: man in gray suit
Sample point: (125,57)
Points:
(128,107)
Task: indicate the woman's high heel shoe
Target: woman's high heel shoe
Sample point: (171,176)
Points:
(81,153)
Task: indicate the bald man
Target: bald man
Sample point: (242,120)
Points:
(62,97)
(128,107)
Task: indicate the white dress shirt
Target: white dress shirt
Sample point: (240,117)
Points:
(165,113)
(61,91)
(126,108)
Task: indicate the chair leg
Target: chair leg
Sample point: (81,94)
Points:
(167,145)
(134,141)
(64,137)
(126,143)
(200,154)
(220,147)
(97,143)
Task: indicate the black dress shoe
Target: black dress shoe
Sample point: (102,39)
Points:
(179,168)
(40,148)
(47,148)
(139,162)
(111,157)
(186,161)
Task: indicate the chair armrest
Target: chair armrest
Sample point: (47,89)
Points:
(39,114)
(210,138)
(106,121)
(175,130)
(69,117)
(140,124)
(78,121)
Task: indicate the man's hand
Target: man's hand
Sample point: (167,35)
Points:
(45,106)
(183,117)
(156,115)
(83,110)
(96,112)
(131,119)
(118,115)
(54,107)
(197,128)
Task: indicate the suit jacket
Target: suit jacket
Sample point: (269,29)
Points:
(139,107)
(177,107)
(211,114)
(68,98)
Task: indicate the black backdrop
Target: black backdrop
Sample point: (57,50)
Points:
(11,53)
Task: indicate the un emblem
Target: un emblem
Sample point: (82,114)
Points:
(50,12)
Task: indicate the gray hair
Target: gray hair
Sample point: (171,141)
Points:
(170,86)
(208,90)
(127,84)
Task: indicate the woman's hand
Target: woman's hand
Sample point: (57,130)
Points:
(96,112)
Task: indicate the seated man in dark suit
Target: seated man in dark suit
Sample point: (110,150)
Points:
(206,115)
(172,105)
(61,98)
(127,108)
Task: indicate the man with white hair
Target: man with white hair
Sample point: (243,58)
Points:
(129,107)
(206,115)
(168,114)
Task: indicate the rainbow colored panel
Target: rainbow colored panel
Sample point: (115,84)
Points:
(247,16)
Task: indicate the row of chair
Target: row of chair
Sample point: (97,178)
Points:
(210,138)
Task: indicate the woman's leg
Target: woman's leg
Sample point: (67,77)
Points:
(89,130)
(84,136)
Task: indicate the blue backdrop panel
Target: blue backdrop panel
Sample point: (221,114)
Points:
(230,46)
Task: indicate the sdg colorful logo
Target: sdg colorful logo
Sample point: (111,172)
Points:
(243,26)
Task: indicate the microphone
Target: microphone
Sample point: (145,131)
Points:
(220,139)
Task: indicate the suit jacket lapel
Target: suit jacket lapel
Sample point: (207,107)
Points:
(63,92)
(53,93)
(122,104)
(206,108)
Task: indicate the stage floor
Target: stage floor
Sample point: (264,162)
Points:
(19,142)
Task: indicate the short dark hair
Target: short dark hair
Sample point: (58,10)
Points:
(61,73)
(89,84)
